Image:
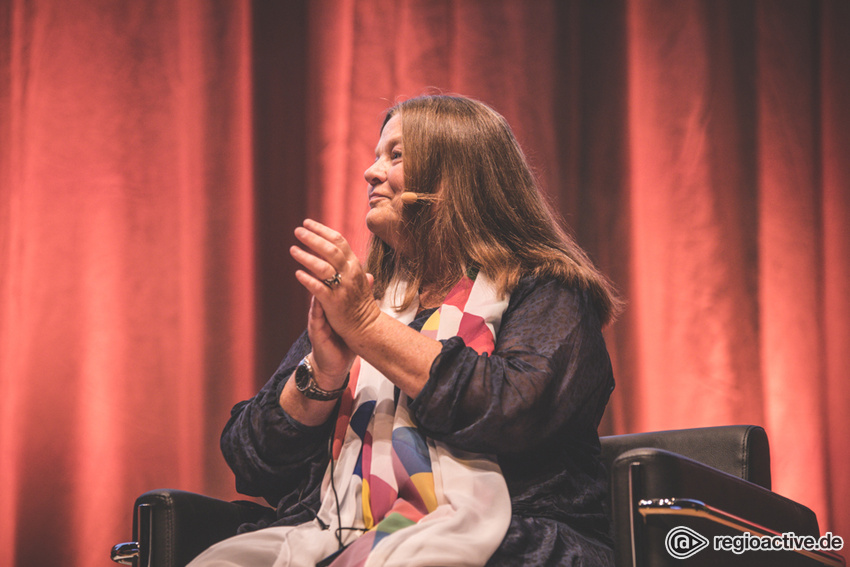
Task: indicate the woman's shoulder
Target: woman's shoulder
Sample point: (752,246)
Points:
(543,296)
(545,287)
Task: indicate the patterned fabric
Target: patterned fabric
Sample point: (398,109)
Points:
(405,490)
(543,391)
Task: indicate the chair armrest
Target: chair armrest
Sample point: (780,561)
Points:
(651,474)
(686,508)
(173,526)
(740,450)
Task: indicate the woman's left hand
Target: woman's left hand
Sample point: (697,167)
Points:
(346,300)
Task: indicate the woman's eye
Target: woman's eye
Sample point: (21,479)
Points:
(396,154)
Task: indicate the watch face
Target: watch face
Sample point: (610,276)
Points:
(302,377)
(305,383)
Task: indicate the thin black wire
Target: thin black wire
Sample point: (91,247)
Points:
(339,528)
(312,512)
(336,498)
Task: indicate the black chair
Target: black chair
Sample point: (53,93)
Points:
(703,483)
(713,481)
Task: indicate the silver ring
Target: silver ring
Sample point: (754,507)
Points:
(331,282)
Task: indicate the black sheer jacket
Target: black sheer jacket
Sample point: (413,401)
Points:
(535,403)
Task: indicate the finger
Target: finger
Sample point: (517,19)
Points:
(322,230)
(312,284)
(328,234)
(316,308)
(320,268)
(311,316)
(317,324)
(322,248)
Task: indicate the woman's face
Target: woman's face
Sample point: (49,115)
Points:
(386,184)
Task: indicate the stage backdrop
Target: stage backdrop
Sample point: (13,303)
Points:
(156,156)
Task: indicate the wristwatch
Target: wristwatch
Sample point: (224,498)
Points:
(306,383)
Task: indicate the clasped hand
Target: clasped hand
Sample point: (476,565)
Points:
(337,311)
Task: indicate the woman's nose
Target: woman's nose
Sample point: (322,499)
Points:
(375,173)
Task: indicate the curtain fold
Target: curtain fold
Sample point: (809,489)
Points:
(790,247)
(155,158)
(834,141)
(127,294)
(692,191)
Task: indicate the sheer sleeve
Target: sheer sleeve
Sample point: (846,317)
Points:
(549,373)
(271,454)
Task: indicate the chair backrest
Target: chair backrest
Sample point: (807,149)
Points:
(740,450)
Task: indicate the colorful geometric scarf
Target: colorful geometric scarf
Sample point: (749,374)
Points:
(418,501)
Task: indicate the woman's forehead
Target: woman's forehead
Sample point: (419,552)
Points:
(391,133)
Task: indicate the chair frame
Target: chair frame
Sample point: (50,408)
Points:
(656,478)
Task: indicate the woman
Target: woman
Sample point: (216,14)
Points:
(442,407)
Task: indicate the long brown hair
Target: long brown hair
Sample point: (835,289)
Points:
(488,213)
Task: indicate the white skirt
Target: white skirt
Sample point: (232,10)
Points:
(287,546)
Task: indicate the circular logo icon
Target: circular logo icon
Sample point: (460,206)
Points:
(683,542)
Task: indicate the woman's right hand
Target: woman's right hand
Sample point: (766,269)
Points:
(331,357)
(331,360)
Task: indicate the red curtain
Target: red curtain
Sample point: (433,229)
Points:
(127,306)
(155,157)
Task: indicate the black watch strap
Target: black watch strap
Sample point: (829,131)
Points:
(306,383)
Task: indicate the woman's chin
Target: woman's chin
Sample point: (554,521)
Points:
(383,224)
